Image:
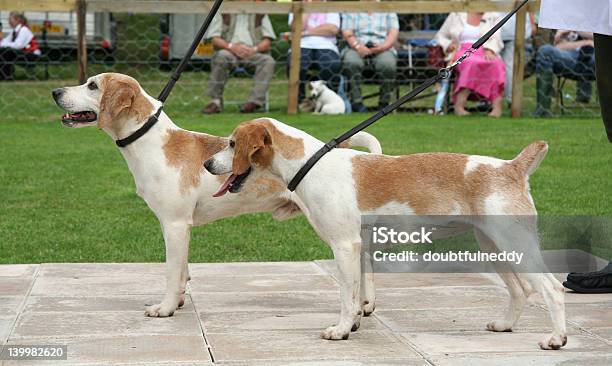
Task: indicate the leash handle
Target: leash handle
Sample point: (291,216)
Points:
(181,67)
(443,73)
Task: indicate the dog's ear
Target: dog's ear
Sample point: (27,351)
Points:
(250,140)
(116,97)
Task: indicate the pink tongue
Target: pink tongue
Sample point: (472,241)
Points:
(225,186)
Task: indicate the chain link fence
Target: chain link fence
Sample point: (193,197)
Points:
(149,46)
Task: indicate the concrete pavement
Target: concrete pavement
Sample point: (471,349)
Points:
(272,314)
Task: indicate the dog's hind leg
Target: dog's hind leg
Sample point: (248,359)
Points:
(185,277)
(517,296)
(521,237)
(347,256)
(368,292)
(176,236)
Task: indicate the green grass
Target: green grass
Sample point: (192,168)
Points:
(67,195)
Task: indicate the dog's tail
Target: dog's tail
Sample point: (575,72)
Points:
(530,158)
(363,139)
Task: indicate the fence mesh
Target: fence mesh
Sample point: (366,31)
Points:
(148,46)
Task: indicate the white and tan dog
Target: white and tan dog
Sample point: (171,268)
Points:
(346,184)
(167,165)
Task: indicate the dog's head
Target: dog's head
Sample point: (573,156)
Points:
(317,87)
(113,102)
(250,147)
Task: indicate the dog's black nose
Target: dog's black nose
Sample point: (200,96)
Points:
(57,93)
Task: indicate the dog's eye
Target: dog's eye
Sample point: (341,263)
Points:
(92,86)
(232,143)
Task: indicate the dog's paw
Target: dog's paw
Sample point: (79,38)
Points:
(555,342)
(335,333)
(368,307)
(181,300)
(498,326)
(159,311)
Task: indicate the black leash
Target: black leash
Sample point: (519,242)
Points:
(173,79)
(443,73)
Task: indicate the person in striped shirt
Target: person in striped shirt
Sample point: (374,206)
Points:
(370,39)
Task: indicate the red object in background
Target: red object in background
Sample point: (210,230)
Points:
(47,24)
(105,44)
(165,48)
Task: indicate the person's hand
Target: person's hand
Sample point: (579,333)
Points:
(242,51)
(588,42)
(363,51)
(451,48)
(489,55)
(376,50)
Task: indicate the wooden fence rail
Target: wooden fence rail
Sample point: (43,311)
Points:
(271,7)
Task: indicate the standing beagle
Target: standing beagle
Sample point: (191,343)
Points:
(346,184)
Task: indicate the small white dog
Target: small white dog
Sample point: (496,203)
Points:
(326,100)
(346,184)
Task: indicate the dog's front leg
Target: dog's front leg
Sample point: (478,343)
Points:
(347,257)
(176,236)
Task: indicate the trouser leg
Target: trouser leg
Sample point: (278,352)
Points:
(264,72)
(353,65)
(7,57)
(223,62)
(385,64)
(603,62)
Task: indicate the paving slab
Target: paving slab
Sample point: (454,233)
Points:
(346,362)
(442,344)
(9,305)
(261,283)
(99,285)
(546,358)
(277,320)
(15,286)
(114,350)
(441,298)
(265,301)
(254,269)
(605,333)
(6,324)
(76,270)
(18,270)
(116,303)
(590,315)
(306,345)
(103,324)
(471,319)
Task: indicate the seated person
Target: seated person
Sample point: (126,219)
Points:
(370,38)
(572,53)
(483,74)
(318,49)
(240,40)
(18,45)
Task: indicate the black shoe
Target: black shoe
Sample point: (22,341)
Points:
(591,283)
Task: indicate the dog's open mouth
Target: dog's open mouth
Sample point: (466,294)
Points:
(79,119)
(232,184)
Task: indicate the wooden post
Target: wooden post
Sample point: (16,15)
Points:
(519,63)
(81,13)
(294,70)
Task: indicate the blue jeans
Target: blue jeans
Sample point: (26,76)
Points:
(551,59)
(327,62)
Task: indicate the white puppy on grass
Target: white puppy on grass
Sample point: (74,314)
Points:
(326,100)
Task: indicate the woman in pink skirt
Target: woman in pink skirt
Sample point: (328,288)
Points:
(483,74)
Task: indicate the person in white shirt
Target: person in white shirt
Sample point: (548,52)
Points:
(596,17)
(318,49)
(19,45)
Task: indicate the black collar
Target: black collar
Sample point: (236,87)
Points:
(141,131)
